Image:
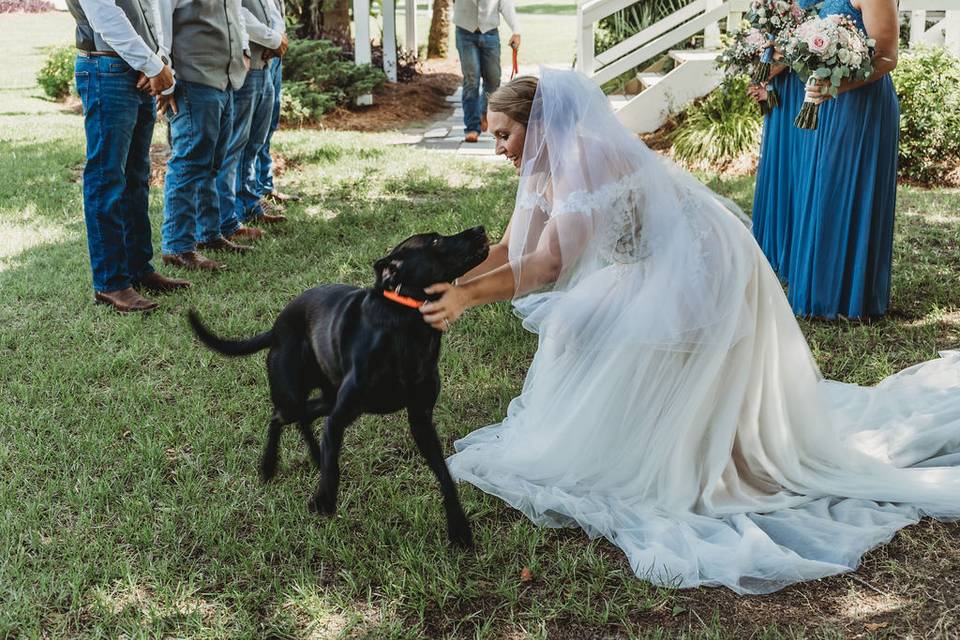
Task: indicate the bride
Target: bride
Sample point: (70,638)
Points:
(673,405)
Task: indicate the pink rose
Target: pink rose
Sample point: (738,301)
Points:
(796,11)
(755,38)
(817,43)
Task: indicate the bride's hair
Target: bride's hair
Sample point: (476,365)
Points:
(515,98)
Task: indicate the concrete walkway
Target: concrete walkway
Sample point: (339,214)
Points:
(447,134)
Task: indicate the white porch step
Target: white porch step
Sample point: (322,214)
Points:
(693,55)
(649,78)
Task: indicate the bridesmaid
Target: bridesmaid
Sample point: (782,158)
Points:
(840,255)
(773,198)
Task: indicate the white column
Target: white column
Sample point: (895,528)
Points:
(410,14)
(390,39)
(585,51)
(951,32)
(918,26)
(711,34)
(734,18)
(361,35)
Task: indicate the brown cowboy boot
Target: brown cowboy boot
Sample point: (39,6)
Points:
(124,300)
(191,260)
(161,284)
(222,244)
(246,233)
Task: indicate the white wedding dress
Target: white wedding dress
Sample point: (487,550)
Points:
(673,405)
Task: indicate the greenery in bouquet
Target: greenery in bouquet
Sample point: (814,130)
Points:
(826,51)
(771,18)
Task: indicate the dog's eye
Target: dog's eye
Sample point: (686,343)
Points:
(435,242)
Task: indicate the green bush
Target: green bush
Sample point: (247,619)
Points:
(56,76)
(719,128)
(928,84)
(318,76)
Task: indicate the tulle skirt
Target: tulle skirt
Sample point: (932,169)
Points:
(727,461)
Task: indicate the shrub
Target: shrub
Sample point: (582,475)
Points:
(928,85)
(319,76)
(720,128)
(56,75)
(25,6)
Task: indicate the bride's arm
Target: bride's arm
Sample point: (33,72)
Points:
(539,268)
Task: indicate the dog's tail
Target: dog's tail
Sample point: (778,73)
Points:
(229,347)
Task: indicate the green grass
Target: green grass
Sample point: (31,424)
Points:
(130,503)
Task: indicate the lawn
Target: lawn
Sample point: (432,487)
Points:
(131,506)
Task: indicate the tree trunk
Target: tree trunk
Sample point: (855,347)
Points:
(439,30)
(327,19)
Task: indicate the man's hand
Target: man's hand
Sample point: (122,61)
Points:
(161,82)
(246,62)
(284,45)
(167,102)
(515,41)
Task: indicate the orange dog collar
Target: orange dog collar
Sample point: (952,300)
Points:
(406,301)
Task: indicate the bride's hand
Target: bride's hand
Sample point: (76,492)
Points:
(440,313)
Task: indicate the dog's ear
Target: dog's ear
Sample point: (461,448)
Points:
(385,270)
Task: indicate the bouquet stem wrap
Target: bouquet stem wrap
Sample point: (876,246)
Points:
(809,116)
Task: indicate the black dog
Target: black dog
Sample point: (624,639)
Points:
(366,351)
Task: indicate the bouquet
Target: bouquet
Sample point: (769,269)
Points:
(771,18)
(827,51)
(740,56)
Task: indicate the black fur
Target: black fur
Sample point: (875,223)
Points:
(363,353)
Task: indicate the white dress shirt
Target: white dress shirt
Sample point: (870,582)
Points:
(109,20)
(268,36)
(482,15)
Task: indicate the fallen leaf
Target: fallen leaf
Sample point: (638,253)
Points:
(876,626)
(526,575)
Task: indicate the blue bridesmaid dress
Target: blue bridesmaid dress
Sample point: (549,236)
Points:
(775,192)
(842,245)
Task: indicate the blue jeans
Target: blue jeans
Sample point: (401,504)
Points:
(199,135)
(118,121)
(264,160)
(259,85)
(479,59)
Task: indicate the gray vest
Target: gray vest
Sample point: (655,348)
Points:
(259,11)
(139,16)
(207,43)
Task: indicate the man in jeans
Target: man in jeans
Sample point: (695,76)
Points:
(118,71)
(478,43)
(208,45)
(254,107)
(265,186)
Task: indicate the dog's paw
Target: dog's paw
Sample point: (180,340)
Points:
(461,537)
(267,471)
(323,503)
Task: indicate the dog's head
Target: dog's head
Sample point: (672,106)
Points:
(428,258)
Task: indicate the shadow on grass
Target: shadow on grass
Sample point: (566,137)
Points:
(136,454)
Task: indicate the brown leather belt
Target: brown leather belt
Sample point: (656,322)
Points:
(97,54)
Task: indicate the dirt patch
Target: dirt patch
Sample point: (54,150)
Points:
(402,105)
(160,154)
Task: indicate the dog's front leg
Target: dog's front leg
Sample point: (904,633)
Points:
(424,434)
(344,412)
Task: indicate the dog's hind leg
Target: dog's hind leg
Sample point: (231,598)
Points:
(268,463)
(424,434)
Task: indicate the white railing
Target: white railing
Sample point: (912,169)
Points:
(700,15)
(946,31)
(705,16)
